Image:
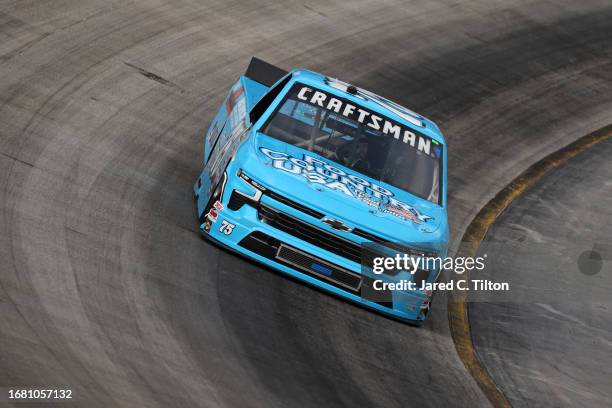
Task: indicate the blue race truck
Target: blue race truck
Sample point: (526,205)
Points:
(306,174)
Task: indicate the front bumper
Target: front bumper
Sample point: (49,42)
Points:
(245,231)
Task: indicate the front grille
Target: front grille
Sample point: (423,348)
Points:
(368,236)
(261,244)
(356,231)
(309,233)
(314,266)
(293,204)
(393,245)
(314,235)
(271,248)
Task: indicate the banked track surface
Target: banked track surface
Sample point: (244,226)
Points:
(547,340)
(105,285)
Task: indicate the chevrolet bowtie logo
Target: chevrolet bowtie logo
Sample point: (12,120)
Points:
(337,225)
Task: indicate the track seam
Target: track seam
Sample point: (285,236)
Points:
(458,307)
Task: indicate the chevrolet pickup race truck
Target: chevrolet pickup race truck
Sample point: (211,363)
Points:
(305,173)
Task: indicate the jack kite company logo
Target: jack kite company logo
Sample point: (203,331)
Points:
(320,172)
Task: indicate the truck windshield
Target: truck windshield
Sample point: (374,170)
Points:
(362,140)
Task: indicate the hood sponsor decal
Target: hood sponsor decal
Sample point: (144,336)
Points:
(319,172)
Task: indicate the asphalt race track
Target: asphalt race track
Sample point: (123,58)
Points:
(105,284)
(553,341)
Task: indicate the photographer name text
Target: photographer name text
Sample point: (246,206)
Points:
(461,284)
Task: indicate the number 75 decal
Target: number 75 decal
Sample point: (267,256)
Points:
(226,227)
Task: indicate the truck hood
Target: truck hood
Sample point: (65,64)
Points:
(341,193)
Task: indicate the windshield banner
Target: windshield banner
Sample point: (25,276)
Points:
(359,114)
